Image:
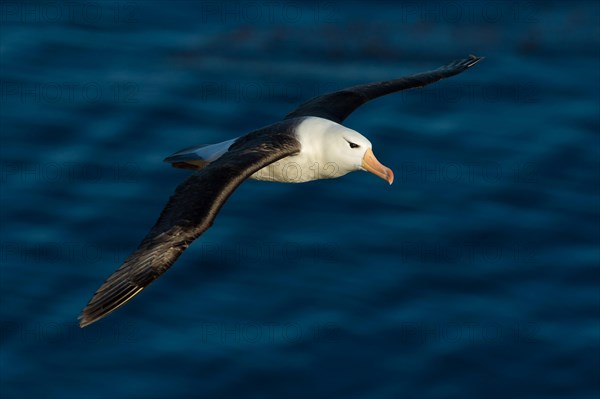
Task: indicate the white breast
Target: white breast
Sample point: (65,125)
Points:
(313,162)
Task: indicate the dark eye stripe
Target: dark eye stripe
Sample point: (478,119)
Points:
(353,145)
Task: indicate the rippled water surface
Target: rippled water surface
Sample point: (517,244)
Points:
(474,275)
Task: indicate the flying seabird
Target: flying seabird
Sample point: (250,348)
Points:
(287,152)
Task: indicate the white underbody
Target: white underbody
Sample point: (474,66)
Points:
(297,169)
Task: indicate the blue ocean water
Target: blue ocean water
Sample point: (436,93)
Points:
(474,276)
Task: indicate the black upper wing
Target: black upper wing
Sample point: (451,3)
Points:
(190,211)
(338,105)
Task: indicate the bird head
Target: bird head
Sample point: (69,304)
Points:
(341,150)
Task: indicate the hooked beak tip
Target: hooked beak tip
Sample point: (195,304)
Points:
(390,177)
(372,165)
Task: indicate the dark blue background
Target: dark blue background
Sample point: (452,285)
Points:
(474,275)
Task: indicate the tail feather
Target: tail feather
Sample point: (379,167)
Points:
(199,156)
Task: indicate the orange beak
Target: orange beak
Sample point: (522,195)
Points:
(371,164)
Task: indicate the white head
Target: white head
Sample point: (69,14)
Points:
(339,150)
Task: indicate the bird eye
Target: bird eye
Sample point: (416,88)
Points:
(353,145)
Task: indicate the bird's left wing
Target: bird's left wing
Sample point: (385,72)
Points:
(338,105)
(190,211)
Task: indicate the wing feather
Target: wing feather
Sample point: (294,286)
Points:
(338,105)
(190,211)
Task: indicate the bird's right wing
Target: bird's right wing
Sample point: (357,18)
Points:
(190,211)
(338,105)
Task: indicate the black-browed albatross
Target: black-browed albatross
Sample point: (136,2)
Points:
(286,151)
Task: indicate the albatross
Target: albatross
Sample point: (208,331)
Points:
(308,144)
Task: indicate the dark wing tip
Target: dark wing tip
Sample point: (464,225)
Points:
(129,280)
(462,64)
(472,60)
(104,302)
(84,320)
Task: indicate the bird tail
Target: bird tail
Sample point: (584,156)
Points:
(198,156)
